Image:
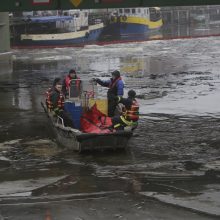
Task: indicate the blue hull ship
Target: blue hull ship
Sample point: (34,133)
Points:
(133,23)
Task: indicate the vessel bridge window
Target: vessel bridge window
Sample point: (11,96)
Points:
(133,10)
(155,14)
(76,15)
(146,11)
(127,10)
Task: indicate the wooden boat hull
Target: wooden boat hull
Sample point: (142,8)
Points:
(74,139)
(86,142)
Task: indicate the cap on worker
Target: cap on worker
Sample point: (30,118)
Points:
(72,71)
(57,81)
(131,93)
(116,73)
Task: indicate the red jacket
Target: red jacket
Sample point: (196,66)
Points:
(68,81)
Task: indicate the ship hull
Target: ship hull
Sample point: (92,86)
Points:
(131,28)
(78,38)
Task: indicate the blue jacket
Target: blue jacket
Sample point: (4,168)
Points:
(116,90)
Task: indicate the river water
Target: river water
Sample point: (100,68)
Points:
(172,163)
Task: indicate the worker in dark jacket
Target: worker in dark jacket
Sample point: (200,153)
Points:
(130,112)
(116,89)
(55,102)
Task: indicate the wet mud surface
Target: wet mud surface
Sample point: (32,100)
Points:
(172,162)
(115,206)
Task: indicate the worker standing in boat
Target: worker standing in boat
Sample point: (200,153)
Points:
(130,113)
(55,102)
(116,89)
(71,80)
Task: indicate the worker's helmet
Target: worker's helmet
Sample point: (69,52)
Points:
(131,93)
(57,81)
(116,73)
(72,71)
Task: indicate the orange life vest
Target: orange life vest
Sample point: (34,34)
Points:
(68,81)
(114,82)
(132,114)
(60,102)
(48,99)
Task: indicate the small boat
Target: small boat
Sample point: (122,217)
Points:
(78,140)
(132,23)
(75,29)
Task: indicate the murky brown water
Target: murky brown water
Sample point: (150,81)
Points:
(173,156)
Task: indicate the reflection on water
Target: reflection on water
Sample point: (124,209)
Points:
(189,30)
(23,98)
(169,70)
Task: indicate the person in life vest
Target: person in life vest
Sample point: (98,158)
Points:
(55,102)
(116,89)
(71,79)
(130,113)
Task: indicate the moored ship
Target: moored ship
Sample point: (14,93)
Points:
(75,29)
(132,23)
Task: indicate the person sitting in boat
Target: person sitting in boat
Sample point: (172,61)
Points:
(73,81)
(55,102)
(130,113)
(116,88)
